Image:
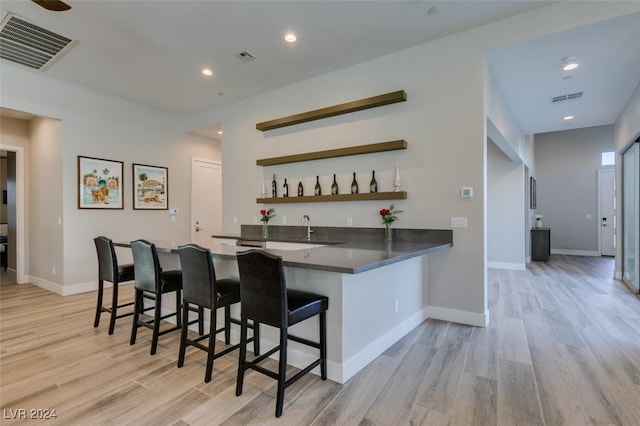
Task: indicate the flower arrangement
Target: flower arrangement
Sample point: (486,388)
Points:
(389,215)
(267,214)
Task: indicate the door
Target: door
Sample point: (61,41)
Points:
(206,200)
(607,204)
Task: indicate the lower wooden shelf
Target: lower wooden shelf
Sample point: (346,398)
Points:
(400,195)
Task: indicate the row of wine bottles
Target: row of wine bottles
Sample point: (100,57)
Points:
(317,190)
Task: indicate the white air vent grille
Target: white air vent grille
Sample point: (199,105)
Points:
(568,97)
(30,45)
(245,56)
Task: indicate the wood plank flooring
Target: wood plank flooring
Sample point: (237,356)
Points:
(563,348)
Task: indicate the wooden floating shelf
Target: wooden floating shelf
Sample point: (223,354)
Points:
(332,153)
(401,195)
(359,105)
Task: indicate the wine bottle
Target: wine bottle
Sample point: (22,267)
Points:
(274,187)
(354,184)
(286,188)
(334,186)
(317,190)
(300,188)
(373,186)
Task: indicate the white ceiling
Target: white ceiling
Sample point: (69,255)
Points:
(530,74)
(151,52)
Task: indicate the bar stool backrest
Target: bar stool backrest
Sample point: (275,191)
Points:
(107,261)
(146,266)
(198,275)
(263,290)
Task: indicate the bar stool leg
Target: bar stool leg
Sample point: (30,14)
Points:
(96,322)
(256,338)
(323,345)
(227,324)
(282,371)
(243,356)
(114,308)
(183,336)
(212,345)
(200,320)
(136,314)
(156,323)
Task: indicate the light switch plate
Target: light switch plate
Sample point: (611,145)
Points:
(458,222)
(466,192)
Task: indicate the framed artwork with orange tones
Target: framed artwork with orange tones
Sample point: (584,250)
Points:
(100,183)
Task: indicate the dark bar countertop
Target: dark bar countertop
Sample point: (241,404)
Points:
(343,250)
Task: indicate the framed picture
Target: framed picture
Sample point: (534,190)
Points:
(150,187)
(532,193)
(100,183)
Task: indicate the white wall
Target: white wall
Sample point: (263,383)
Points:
(505,211)
(96,125)
(443,122)
(627,126)
(567,182)
(45,200)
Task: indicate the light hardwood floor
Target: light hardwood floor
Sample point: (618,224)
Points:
(563,347)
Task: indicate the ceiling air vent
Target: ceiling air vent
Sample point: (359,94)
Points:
(30,45)
(245,56)
(567,97)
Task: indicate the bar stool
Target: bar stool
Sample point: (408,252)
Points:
(109,270)
(266,299)
(151,281)
(201,288)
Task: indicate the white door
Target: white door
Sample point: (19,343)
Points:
(206,200)
(607,213)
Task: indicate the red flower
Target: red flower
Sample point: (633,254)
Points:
(263,212)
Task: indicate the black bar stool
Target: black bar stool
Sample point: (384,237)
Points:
(201,288)
(109,270)
(151,281)
(266,299)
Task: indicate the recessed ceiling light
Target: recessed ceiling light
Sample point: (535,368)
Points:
(207,72)
(570,63)
(290,37)
(568,117)
(219,132)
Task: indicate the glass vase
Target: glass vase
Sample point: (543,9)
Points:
(388,232)
(265,230)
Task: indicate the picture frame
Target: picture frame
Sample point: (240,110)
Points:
(100,183)
(532,193)
(150,187)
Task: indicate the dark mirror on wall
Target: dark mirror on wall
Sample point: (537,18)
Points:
(532,193)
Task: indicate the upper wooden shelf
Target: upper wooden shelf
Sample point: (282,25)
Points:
(400,195)
(361,104)
(332,153)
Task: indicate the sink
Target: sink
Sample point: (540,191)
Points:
(280,245)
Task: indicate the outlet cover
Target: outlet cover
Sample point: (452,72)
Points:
(458,222)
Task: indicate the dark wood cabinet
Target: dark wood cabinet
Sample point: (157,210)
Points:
(540,244)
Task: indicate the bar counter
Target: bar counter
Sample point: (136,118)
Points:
(377,290)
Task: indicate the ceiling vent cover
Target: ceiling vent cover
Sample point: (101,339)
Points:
(245,56)
(30,45)
(567,97)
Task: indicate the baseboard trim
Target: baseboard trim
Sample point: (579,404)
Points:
(506,265)
(455,315)
(341,373)
(576,252)
(47,285)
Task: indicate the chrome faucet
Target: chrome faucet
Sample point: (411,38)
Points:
(309,231)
